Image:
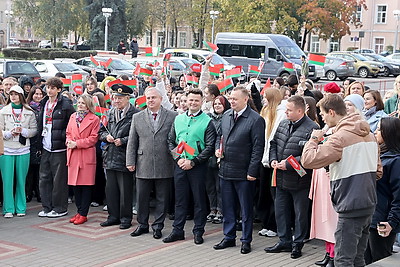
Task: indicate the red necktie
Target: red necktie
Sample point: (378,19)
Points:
(154,116)
(236,116)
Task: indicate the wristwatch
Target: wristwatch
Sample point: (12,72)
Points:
(192,163)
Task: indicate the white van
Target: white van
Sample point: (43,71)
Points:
(244,49)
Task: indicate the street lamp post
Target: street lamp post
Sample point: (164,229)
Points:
(213,15)
(396,14)
(106,13)
(8,14)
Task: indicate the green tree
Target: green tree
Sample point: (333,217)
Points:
(137,12)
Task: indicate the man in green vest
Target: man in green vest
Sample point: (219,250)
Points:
(192,139)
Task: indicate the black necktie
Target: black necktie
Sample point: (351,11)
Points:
(235,117)
(290,127)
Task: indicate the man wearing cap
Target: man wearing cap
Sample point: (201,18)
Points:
(193,136)
(148,154)
(119,186)
(53,173)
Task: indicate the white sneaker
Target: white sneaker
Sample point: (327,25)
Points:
(134,211)
(105,208)
(263,232)
(271,233)
(20,214)
(94,204)
(42,214)
(8,215)
(54,214)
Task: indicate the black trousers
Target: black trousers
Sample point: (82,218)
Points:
(265,204)
(161,189)
(378,247)
(32,181)
(83,196)
(119,192)
(193,179)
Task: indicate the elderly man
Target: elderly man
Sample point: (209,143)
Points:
(148,154)
(119,186)
(240,146)
(197,131)
(7,84)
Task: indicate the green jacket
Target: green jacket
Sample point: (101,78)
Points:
(391,104)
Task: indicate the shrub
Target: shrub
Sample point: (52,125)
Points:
(45,53)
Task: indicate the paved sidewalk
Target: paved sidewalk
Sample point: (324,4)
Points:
(35,241)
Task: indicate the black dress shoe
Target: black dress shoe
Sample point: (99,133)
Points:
(246,248)
(157,234)
(173,237)
(225,244)
(124,226)
(324,261)
(278,247)
(139,231)
(189,217)
(330,263)
(198,239)
(296,252)
(109,223)
(171,217)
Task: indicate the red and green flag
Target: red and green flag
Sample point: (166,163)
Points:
(188,149)
(225,85)
(99,111)
(145,72)
(167,57)
(196,67)
(288,66)
(316,59)
(210,46)
(221,67)
(137,70)
(254,69)
(192,79)
(107,98)
(130,83)
(111,83)
(214,71)
(66,82)
(107,63)
(141,101)
(148,51)
(104,120)
(233,73)
(76,78)
(94,61)
(266,86)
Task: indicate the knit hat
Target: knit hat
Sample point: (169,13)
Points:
(332,88)
(356,100)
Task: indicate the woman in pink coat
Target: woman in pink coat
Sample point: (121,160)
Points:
(82,130)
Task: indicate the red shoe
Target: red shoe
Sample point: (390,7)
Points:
(80,220)
(72,220)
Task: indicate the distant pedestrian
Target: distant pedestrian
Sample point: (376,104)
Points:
(121,49)
(304,66)
(134,46)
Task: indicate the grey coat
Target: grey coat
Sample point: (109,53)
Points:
(148,148)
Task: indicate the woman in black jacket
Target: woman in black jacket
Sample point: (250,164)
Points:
(386,219)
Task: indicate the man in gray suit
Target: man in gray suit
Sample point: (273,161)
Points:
(148,154)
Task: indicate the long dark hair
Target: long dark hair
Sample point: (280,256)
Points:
(390,131)
(22,100)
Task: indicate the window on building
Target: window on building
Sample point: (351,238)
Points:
(333,45)
(379,44)
(170,39)
(314,44)
(358,14)
(381,14)
(160,38)
(147,38)
(182,39)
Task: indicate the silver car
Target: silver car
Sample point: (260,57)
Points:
(49,68)
(338,68)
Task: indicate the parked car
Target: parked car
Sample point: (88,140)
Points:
(394,57)
(338,68)
(84,45)
(14,42)
(45,44)
(363,66)
(179,65)
(364,51)
(117,67)
(49,68)
(391,67)
(17,68)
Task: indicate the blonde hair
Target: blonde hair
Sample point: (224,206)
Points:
(88,102)
(396,85)
(268,112)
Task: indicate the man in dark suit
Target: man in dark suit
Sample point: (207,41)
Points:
(196,129)
(148,154)
(291,188)
(240,146)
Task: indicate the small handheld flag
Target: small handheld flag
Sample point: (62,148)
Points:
(145,72)
(266,86)
(254,69)
(148,51)
(76,78)
(316,59)
(196,67)
(225,85)
(233,73)
(296,166)
(66,82)
(78,89)
(210,46)
(288,66)
(141,101)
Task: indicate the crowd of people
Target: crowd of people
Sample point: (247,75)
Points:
(305,163)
